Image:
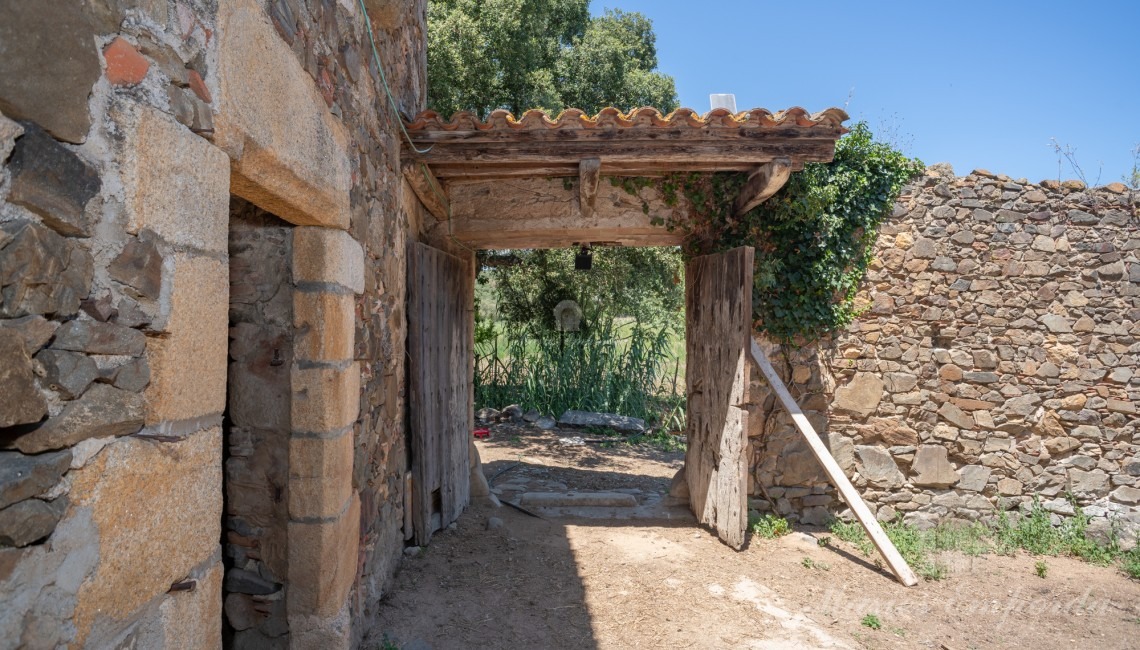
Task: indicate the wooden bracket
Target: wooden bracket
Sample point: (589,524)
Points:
(898,565)
(765,181)
(589,173)
(428,188)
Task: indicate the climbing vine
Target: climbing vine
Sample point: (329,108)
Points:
(814,238)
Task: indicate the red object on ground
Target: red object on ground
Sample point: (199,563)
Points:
(482,433)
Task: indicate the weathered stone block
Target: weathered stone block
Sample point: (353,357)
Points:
(53,182)
(328,256)
(23,476)
(973,478)
(22,403)
(30,521)
(41,272)
(325,326)
(932,468)
(860,396)
(67,373)
(99,338)
(177,183)
(956,416)
(325,398)
(139,266)
(102,411)
(9,131)
(322,562)
(188,366)
(320,475)
(171,496)
(50,90)
(288,151)
(877,466)
(35,330)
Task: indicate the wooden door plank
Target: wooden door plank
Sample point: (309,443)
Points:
(718,308)
(883,543)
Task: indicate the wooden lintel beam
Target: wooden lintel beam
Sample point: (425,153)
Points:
(589,172)
(428,188)
(762,184)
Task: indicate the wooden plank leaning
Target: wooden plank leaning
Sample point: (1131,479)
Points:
(891,554)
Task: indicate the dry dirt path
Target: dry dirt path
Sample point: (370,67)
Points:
(636,583)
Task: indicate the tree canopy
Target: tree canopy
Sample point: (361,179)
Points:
(548,54)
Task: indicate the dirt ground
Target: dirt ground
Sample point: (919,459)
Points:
(656,580)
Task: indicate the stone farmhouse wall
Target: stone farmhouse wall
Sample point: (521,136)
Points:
(197,193)
(997,362)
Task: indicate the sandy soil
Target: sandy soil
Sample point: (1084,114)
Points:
(611,582)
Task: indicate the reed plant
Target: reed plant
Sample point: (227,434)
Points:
(609,369)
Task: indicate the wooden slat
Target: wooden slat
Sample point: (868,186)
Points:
(883,543)
(428,188)
(762,184)
(588,176)
(475,172)
(718,309)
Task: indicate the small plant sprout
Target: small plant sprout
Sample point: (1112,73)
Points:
(769,526)
(824,541)
(871,621)
(1041,568)
(808,563)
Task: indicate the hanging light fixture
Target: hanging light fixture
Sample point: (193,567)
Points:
(584,260)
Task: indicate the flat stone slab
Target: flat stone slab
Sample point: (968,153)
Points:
(577,500)
(608,420)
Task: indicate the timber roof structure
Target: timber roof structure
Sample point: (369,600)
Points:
(641,143)
(554,165)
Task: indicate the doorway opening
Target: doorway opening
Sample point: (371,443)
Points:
(256,429)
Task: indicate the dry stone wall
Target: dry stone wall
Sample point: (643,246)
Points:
(994,365)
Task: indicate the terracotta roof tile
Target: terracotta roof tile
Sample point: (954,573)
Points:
(572,118)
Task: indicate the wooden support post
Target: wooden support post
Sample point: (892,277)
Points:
(428,188)
(762,184)
(588,175)
(898,565)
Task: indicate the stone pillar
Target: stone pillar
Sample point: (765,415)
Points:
(324,510)
(156,497)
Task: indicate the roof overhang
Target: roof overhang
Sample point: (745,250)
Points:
(643,143)
(465,150)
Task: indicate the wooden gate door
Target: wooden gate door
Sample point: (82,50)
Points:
(718,325)
(439,380)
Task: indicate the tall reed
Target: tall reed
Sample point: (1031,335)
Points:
(631,373)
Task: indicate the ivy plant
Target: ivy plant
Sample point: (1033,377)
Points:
(814,238)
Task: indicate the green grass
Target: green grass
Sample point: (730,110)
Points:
(1041,568)
(1033,533)
(871,621)
(769,526)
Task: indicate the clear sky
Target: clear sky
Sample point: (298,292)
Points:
(975,84)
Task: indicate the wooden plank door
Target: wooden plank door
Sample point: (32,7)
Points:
(439,387)
(718,326)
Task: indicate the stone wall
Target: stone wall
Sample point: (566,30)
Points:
(994,365)
(126,127)
(257,428)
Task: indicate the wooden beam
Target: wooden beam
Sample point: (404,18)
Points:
(428,188)
(762,184)
(589,172)
(898,565)
(625,152)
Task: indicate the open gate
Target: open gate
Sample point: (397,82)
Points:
(439,381)
(718,311)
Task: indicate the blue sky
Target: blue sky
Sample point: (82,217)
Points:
(975,84)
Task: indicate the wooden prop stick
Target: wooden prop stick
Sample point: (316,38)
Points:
(838,478)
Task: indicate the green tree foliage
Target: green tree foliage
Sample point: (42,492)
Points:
(549,54)
(814,238)
(645,284)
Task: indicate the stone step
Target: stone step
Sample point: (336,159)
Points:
(577,500)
